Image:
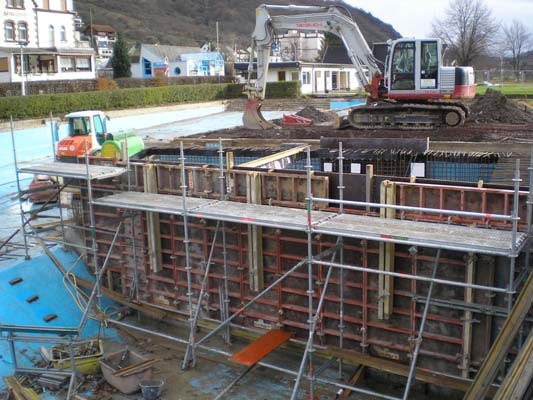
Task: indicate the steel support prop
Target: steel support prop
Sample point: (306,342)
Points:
(515,219)
(418,339)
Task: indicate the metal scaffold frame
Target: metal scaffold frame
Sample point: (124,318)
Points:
(66,335)
(311,227)
(193,343)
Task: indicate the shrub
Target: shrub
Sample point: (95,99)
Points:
(105,84)
(40,106)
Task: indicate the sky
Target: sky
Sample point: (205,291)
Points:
(412,18)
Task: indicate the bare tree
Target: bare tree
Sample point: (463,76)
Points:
(515,42)
(468,28)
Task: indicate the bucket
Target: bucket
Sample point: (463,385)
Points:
(151,390)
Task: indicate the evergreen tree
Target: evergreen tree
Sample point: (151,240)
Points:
(121,60)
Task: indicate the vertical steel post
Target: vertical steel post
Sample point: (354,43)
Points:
(225,315)
(310,291)
(418,339)
(529,210)
(72,383)
(186,242)
(52,132)
(341,188)
(515,218)
(22,222)
(11,340)
(92,221)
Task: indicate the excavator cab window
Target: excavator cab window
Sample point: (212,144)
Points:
(403,66)
(79,126)
(429,65)
(99,129)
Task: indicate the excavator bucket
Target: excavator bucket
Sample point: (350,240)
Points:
(253,119)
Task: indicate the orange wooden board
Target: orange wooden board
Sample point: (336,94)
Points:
(259,349)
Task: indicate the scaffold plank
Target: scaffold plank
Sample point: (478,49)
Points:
(426,234)
(260,348)
(75,171)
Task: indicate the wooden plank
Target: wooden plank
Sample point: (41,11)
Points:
(359,372)
(152,221)
(255,235)
(18,391)
(270,161)
(259,349)
(492,363)
(386,255)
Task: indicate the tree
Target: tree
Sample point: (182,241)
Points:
(468,28)
(121,60)
(515,41)
(329,40)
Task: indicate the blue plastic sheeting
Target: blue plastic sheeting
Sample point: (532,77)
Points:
(42,278)
(339,105)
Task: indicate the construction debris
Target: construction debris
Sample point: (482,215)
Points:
(496,107)
(314,114)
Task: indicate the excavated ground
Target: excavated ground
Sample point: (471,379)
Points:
(493,118)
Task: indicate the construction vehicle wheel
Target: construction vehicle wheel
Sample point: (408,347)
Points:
(452,118)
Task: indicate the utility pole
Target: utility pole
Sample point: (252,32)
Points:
(91,26)
(218,48)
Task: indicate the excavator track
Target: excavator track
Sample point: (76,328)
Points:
(407,116)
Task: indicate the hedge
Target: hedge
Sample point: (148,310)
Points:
(40,106)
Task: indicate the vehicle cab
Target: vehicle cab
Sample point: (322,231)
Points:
(83,127)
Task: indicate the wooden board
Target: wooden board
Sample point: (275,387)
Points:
(259,349)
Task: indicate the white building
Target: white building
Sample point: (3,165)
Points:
(315,78)
(47,33)
(103,38)
(176,61)
(298,46)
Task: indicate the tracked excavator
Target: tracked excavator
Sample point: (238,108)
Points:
(410,90)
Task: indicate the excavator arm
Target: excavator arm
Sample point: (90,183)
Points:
(324,19)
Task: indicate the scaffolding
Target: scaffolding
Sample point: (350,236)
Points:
(311,222)
(68,336)
(430,235)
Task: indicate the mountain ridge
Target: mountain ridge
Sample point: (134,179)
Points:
(192,22)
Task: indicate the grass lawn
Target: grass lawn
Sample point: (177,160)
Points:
(511,89)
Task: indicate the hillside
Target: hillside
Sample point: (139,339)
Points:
(191,22)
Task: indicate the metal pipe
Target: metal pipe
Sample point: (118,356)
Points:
(512,263)
(189,352)
(417,209)
(72,382)
(22,223)
(99,276)
(310,289)
(529,210)
(413,277)
(186,242)
(341,258)
(92,221)
(227,333)
(418,339)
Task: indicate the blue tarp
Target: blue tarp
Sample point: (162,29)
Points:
(42,278)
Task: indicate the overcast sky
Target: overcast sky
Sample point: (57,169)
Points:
(413,17)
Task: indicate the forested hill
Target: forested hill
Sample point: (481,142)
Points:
(191,22)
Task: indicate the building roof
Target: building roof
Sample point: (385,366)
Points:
(336,55)
(100,28)
(173,53)
(243,66)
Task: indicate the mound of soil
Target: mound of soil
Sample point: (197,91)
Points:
(316,115)
(496,107)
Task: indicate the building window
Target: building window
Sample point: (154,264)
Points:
(295,76)
(67,64)
(51,35)
(177,71)
(22,32)
(147,67)
(63,34)
(306,78)
(15,3)
(83,64)
(10,31)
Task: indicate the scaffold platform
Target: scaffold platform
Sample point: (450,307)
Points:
(425,234)
(74,171)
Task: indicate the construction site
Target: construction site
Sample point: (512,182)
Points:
(380,250)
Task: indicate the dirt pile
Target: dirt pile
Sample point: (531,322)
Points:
(496,107)
(316,115)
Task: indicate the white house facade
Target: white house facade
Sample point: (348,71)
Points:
(46,33)
(315,78)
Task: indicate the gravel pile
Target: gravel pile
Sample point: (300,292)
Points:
(316,115)
(496,107)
